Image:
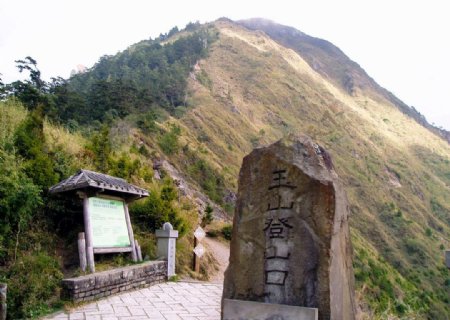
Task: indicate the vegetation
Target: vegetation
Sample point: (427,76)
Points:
(208,216)
(137,107)
(150,74)
(35,154)
(226,231)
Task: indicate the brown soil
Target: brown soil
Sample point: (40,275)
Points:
(220,249)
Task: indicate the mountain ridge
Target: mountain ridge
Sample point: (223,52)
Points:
(302,43)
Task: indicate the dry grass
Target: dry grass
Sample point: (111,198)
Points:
(258,91)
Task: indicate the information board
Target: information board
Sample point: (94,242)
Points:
(109,227)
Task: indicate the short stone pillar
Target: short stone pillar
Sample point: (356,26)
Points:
(3,289)
(166,243)
(447,258)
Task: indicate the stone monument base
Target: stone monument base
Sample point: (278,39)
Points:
(251,310)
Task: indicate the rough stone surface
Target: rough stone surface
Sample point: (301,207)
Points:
(290,242)
(239,309)
(106,283)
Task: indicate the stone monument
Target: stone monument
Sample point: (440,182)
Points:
(290,243)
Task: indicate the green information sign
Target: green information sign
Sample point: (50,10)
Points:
(109,227)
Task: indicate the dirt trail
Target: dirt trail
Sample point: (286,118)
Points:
(221,251)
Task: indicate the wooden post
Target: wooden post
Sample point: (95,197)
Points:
(82,250)
(138,250)
(196,258)
(88,235)
(3,289)
(130,233)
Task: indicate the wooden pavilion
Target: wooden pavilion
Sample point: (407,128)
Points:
(107,222)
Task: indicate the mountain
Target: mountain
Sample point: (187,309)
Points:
(203,97)
(254,87)
(329,61)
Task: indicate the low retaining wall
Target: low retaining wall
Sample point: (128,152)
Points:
(106,283)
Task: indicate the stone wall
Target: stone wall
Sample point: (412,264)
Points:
(106,283)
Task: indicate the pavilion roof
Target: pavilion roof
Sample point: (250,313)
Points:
(86,179)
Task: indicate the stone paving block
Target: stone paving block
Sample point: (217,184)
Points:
(121,311)
(193,309)
(77,316)
(105,308)
(136,311)
(159,304)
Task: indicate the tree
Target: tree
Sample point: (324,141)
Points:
(19,199)
(32,92)
(30,65)
(101,147)
(29,140)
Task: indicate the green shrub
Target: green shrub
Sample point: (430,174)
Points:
(208,217)
(152,212)
(33,286)
(169,140)
(400,308)
(124,167)
(212,233)
(227,231)
(210,180)
(147,123)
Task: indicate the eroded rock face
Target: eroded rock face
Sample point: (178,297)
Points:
(290,241)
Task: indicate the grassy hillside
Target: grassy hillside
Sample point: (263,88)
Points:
(329,61)
(251,91)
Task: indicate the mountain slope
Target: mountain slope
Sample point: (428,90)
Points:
(259,81)
(397,172)
(332,63)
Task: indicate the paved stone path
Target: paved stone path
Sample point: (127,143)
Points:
(167,301)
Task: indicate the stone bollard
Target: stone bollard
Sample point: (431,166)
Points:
(3,289)
(166,240)
(447,258)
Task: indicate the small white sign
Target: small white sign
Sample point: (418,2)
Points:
(199,250)
(199,234)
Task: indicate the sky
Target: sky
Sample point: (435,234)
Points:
(403,44)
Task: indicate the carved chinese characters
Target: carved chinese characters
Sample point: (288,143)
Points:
(277,230)
(290,241)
